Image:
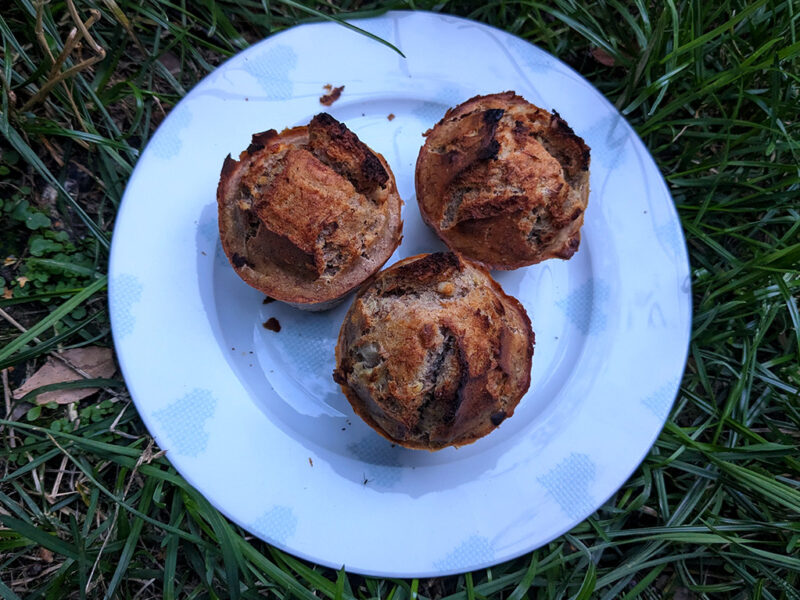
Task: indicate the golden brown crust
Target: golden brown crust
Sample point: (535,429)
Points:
(308,214)
(504,182)
(433,353)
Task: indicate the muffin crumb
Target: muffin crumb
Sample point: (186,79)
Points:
(272,324)
(332,96)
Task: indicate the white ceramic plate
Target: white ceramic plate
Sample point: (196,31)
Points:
(253,419)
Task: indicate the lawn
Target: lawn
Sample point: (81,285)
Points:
(89,507)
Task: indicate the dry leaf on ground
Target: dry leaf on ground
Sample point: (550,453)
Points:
(94,360)
(603,57)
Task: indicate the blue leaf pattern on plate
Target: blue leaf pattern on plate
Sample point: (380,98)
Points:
(126,291)
(586,306)
(271,68)
(610,134)
(475,550)
(278,524)
(381,27)
(569,484)
(431,111)
(670,236)
(381,463)
(167,143)
(313,338)
(184,422)
(660,401)
(534,59)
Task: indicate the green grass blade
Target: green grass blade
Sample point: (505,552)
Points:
(55,316)
(342,22)
(131,541)
(38,536)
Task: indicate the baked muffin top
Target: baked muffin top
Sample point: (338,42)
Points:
(504,182)
(433,353)
(308,214)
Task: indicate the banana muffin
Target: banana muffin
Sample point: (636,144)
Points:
(307,215)
(504,182)
(433,353)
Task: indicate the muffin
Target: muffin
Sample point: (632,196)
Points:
(433,353)
(307,215)
(504,182)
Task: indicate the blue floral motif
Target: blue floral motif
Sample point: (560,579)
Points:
(670,236)
(587,307)
(313,338)
(278,524)
(476,550)
(381,27)
(430,112)
(271,68)
(167,141)
(660,401)
(531,57)
(381,463)
(569,484)
(608,140)
(126,290)
(184,422)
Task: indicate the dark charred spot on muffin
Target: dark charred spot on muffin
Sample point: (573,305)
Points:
(520,129)
(444,379)
(498,417)
(429,268)
(489,151)
(260,140)
(252,225)
(340,376)
(569,149)
(338,147)
(585,158)
(493,116)
(239,261)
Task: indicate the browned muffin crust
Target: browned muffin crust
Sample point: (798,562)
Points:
(504,182)
(433,353)
(308,214)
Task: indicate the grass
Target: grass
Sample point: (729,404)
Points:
(88,506)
